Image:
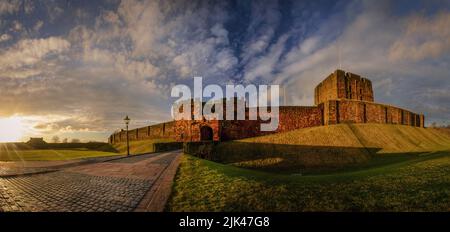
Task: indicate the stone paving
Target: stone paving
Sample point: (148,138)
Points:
(32,167)
(12,171)
(115,185)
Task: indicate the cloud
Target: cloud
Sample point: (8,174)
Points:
(265,19)
(9,6)
(264,66)
(308,45)
(31,51)
(123,57)
(365,46)
(17,26)
(423,38)
(68,124)
(29,6)
(186,39)
(111,17)
(125,63)
(37,27)
(5,37)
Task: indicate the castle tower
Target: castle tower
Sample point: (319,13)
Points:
(343,85)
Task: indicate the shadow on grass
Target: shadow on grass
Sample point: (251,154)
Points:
(376,166)
(291,159)
(393,187)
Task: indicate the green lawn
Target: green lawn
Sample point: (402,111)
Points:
(329,147)
(51,154)
(400,183)
(140,147)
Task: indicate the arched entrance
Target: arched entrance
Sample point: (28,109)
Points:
(206,133)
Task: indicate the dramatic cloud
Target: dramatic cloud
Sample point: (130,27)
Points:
(5,37)
(76,69)
(423,38)
(38,26)
(384,47)
(9,6)
(32,51)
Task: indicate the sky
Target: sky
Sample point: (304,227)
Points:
(76,68)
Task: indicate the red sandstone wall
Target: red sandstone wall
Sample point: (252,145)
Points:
(341,98)
(330,112)
(351,111)
(162,130)
(342,85)
(189,130)
(356,87)
(326,90)
(239,129)
(296,117)
(396,115)
(375,113)
(290,118)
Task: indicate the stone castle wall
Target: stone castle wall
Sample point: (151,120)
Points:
(342,97)
(187,131)
(352,111)
(158,131)
(290,118)
(296,117)
(343,85)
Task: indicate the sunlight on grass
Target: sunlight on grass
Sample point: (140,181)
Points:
(329,147)
(421,184)
(11,152)
(140,147)
(390,138)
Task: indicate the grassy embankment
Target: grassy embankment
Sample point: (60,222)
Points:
(331,147)
(140,147)
(410,171)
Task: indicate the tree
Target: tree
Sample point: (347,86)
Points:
(65,140)
(75,141)
(55,139)
(433,125)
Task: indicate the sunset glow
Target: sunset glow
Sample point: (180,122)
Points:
(11,129)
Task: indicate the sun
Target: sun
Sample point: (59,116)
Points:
(11,129)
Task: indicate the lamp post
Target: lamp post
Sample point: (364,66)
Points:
(127,121)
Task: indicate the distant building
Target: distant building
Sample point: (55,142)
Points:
(35,142)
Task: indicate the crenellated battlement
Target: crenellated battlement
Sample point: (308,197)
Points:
(343,85)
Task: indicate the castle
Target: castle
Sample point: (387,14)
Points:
(343,97)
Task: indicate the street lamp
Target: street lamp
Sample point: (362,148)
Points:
(127,121)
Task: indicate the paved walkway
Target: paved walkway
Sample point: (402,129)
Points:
(8,169)
(139,183)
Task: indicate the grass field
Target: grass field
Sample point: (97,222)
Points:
(140,147)
(393,168)
(404,183)
(329,147)
(389,138)
(50,154)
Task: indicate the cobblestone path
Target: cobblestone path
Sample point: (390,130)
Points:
(117,185)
